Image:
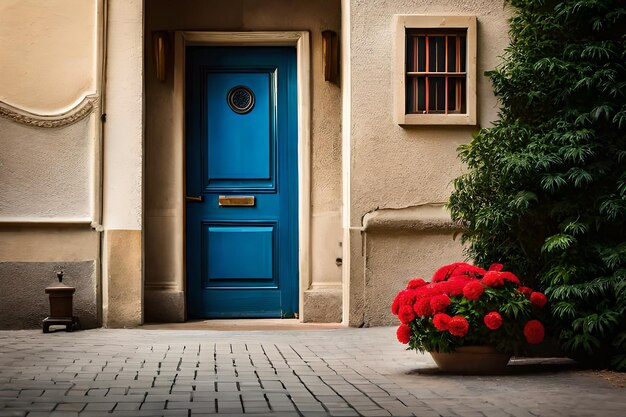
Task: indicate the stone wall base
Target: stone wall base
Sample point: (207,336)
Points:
(164,306)
(23,302)
(322,306)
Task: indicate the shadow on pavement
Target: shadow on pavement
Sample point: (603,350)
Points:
(517,366)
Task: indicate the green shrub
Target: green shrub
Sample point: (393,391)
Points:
(545,191)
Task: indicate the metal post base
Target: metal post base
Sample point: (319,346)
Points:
(70,323)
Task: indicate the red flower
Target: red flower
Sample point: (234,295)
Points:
(404,297)
(406,314)
(444,272)
(496,267)
(458,326)
(441,320)
(509,276)
(534,332)
(404,333)
(493,320)
(408,297)
(473,290)
(454,286)
(426,291)
(526,291)
(395,306)
(493,279)
(455,269)
(469,270)
(422,307)
(439,303)
(416,283)
(538,299)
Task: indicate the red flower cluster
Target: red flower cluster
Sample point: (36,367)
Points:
(473,290)
(538,299)
(493,320)
(404,297)
(406,314)
(435,304)
(458,268)
(458,326)
(499,278)
(534,332)
(493,279)
(439,303)
(509,276)
(416,283)
(404,333)
(441,320)
(496,267)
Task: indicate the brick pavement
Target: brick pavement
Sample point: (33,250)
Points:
(343,372)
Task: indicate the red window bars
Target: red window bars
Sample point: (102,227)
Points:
(436,74)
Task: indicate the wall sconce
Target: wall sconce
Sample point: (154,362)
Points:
(330,56)
(159,43)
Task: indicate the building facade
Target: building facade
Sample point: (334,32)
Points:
(199,158)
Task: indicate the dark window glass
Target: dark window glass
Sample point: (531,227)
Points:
(436,66)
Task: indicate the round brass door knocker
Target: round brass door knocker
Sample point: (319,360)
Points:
(240,99)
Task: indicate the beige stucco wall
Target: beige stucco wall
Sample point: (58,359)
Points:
(48,53)
(29,257)
(164,161)
(49,58)
(49,158)
(123,159)
(395,167)
(123,131)
(28,243)
(48,174)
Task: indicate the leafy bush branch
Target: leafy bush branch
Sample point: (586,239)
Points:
(545,191)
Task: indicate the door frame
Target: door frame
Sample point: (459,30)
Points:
(299,39)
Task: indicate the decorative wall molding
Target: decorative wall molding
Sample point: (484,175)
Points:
(46,221)
(79,112)
(162,286)
(425,218)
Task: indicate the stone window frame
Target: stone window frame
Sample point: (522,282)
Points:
(401,24)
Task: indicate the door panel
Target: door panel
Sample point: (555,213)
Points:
(236,254)
(241,140)
(239,146)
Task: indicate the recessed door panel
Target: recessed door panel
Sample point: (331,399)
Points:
(241,177)
(239,255)
(239,125)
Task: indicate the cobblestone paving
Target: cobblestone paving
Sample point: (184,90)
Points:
(344,372)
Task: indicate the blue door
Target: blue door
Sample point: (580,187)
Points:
(241,182)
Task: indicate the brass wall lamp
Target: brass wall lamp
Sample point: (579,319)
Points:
(159,45)
(330,56)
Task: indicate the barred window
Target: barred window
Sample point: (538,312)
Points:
(435,66)
(436,71)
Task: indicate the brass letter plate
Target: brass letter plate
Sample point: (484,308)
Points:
(236,200)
